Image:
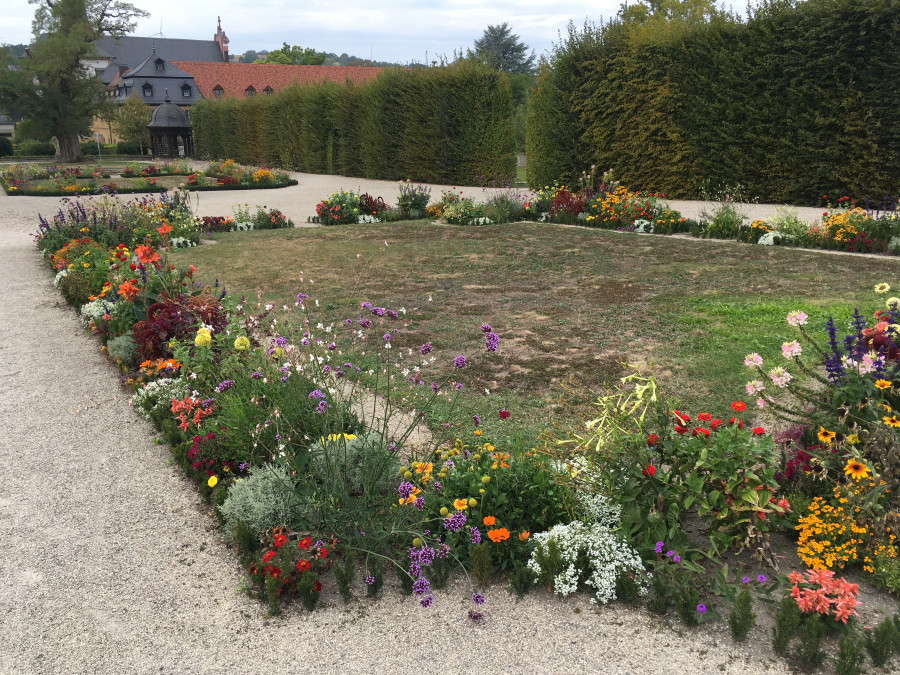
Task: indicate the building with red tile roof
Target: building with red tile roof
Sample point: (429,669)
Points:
(243,80)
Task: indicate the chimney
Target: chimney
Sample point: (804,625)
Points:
(222,40)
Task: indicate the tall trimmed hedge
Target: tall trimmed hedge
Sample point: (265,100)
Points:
(798,101)
(444,125)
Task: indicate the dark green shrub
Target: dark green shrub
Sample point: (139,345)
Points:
(741,618)
(809,641)
(28,148)
(521,579)
(6,147)
(787,620)
(482,563)
(344,575)
(850,656)
(76,288)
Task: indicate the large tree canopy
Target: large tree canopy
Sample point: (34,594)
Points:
(499,48)
(52,89)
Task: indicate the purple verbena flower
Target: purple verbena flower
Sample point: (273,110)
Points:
(256,375)
(478,598)
(315,393)
(421,586)
(486,328)
(491,342)
(459,362)
(225,385)
(456,522)
(406,489)
(475,536)
(426,601)
(425,349)
(370,580)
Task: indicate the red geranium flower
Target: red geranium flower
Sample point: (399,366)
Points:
(758,431)
(739,406)
(704,417)
(649,471)
(304,543)
(652,440)
(268,556)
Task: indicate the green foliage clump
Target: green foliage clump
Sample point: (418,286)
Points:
(850,656)
(884,642)
(124,349)
(263,500)
(482,563)
(787,620)
(741,618)
(809,651)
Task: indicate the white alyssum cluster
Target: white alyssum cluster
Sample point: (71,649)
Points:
(768,239)
(62,274)
(157,395)
(241,226)
(481,221)
(590,552)
(601,510)
(365,218)
(642,226)
(181,242)
(96,310)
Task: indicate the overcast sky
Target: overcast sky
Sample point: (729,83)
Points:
(387,30)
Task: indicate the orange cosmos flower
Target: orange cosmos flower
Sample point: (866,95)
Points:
(498,535)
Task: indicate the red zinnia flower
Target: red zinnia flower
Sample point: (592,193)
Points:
(682,418)
(279,540)
(739,406)
(739,423)
(681,430)
(303,566)
(268,556)
(697,431)
(304,543)
(715,424)
(504,414)
(317,586)
(758,431)
(652,440)
(323,552)
(649,471)
(704,417)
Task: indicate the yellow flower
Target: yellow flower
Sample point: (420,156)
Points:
(891,302)
(460,504)
(852,439)
(882,288)
(891,421)
(856,469)
(883,384)
(212,481)
(826,436)
(241,343)
(203,338)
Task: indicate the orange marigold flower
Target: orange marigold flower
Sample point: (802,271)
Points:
(498,535)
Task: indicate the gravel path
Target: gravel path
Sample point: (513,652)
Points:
(112,564)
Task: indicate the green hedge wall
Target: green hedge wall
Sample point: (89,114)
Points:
(446,125)
(797,101)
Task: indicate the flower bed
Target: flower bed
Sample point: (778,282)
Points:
(260,408)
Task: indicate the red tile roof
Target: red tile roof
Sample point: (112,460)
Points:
(236,78)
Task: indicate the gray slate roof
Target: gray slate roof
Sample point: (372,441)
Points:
(130,51)
(170,79)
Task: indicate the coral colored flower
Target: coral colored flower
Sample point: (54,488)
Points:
(460,504)
(498,535)
(304,543)
(165,229)
(303,565)
(268,556)
(739,406)
(524,534)
(489,520)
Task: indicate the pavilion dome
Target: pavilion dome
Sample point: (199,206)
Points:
(168,114)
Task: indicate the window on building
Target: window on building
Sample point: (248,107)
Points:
(218,91)
(148,91)
(159,64)
(268,91)
(250,91)
(185,91)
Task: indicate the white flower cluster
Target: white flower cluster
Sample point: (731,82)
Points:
(600,509)
(643,226)
(157,395)
(481,221)
(768,239)
(592,552)
(241,227)
(95,309)
(62,274)
(181,242)
(366,218)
